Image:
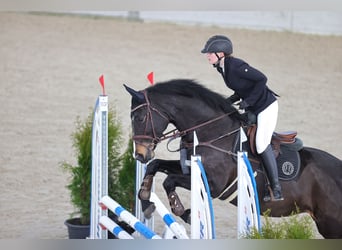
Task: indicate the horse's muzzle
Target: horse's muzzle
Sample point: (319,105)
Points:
(144,153)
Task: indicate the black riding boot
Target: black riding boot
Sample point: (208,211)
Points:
(270,165)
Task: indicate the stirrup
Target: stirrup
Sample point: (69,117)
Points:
(268,198)
(277,196)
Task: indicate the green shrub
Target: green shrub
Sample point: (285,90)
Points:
(293,227)
(124,190)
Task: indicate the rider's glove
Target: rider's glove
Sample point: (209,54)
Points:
(233,98)
(243,105)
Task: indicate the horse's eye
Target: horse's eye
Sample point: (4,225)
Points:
(139,118)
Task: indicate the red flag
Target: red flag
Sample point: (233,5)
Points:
(150,77)
(101,79)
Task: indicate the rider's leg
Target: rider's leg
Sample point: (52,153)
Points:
(270,165)
(267,121)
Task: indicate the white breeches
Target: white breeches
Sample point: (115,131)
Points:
(267,121)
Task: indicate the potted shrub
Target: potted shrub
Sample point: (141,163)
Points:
(80,173)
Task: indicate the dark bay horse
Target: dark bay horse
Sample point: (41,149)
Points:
(191,107)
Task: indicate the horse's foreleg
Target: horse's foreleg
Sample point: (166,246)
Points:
(152,168)
(146,184)
(170,183)
(145,188)
(148,208)
(164,166)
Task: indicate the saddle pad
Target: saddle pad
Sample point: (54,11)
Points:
(288,162)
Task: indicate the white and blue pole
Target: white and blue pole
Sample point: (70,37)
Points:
(167,217)
(107,202)
(114,228)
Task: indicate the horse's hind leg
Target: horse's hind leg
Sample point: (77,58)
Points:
(329,226)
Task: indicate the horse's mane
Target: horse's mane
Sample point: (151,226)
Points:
(191,88)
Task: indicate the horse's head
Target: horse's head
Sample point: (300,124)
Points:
(148,125)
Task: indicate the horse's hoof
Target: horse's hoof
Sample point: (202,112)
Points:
(175,204)
(149,211)
(145,190)
(186,216)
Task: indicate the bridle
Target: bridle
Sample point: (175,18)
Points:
(148,118)
(175,133)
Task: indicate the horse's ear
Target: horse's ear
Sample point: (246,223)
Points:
(137,95)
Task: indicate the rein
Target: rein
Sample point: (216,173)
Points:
(175,133)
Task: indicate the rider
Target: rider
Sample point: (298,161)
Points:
(249,85)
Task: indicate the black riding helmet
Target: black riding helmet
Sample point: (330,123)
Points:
(218,43)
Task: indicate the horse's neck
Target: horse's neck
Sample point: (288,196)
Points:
(187,115)
(190,119)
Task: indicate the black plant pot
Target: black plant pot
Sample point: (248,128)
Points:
(76,230)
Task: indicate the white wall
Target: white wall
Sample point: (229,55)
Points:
(312,22)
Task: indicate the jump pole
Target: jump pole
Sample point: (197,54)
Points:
(108,224)
(108,203)
(99,177)
(168,219)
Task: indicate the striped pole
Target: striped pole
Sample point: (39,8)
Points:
(107,202)
(110,225)
(169,220)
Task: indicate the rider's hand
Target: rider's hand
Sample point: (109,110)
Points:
(233,98)
(243,105)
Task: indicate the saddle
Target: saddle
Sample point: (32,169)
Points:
(278,138)
(285,147)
